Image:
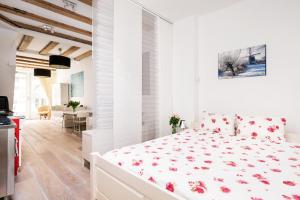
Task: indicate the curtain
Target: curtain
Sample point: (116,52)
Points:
(46,84)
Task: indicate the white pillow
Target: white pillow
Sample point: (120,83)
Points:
(270,128)
(217,123)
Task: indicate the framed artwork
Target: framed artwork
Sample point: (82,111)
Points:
(77,84)
(248,62)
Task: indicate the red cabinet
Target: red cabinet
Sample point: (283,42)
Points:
(17,145)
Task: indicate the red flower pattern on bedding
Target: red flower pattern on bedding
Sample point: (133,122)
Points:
(217,123)
(225,189)
(260,127)
(219,166)
(170,187)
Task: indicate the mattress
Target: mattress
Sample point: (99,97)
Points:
(200,165)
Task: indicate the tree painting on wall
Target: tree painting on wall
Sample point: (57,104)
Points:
(246,62)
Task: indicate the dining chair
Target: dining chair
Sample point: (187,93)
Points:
(79,120)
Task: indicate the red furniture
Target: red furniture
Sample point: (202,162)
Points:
(18,147)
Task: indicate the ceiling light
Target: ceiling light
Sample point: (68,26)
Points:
(59,62)
(42,73)
(48,28)
(69,5)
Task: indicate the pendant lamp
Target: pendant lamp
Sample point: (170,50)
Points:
(42,73)
(59,62)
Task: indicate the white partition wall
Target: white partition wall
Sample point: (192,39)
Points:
(149,77)
(103,25)
(165,44)
(127,73)
(132,54)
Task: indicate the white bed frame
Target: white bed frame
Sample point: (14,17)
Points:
(110,182)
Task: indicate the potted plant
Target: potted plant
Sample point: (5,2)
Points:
(73,104)
(174,121)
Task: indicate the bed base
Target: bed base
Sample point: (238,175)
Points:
(109,182)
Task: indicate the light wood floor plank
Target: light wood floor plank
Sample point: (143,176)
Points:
(52,166)
(29,190)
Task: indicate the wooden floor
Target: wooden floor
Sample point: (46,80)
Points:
(52,168)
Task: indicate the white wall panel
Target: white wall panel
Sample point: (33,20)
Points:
(127,73)
(165,45)
(150,119)
(184,69)
(103,29)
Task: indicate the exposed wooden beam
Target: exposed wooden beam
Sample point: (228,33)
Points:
(8,21)
(35,17)
(32,59)
(57,34)
(69,51)
(83,56)
(32,67)
(41,30)
(60,10)
(87,2)
(25,41)
(51,45)
(30,63)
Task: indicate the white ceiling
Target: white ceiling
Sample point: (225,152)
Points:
(170,9)
(41,40)
(178,9)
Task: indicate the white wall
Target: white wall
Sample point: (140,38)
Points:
(185,69)
(64,76)
(7,63)
(165,32)
(127,124)
(248,23)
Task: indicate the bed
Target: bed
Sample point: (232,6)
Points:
(198,165)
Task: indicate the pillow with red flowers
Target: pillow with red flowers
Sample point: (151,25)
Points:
(217,123)
(270,128)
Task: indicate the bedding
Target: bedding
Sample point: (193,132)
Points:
(270,128)
(199,165)
(217,123)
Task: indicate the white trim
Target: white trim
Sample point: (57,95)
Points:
(152,12)
(107,178)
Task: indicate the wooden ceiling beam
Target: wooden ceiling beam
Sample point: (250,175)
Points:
(51,45)
(25,41)
(69,51)
(8,21)
(30,63)
(32,59)
(32,67)
(83,56)
(41,30)
(87,2)
(56,34)
(60,10)
(38,18)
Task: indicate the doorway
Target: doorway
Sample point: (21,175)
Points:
(28,95)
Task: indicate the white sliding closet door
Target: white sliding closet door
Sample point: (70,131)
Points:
(150,79)
(165,42)
(127,73)
(103,28)
(132,61)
